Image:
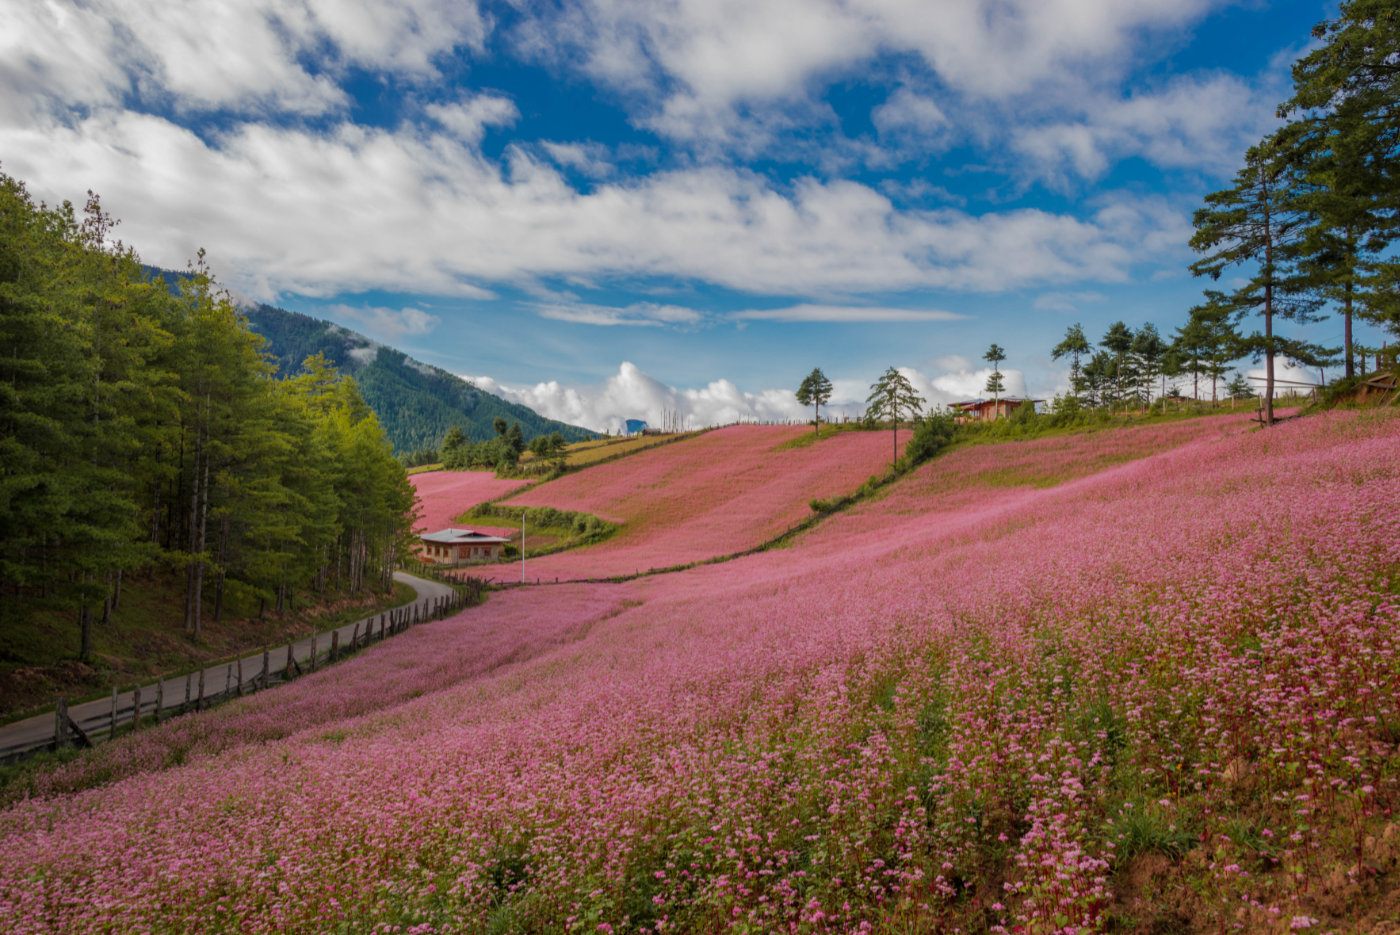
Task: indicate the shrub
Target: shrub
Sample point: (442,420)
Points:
(931,435)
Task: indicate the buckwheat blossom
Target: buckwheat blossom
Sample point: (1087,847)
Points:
(445,495)
(959,705)
(716,494)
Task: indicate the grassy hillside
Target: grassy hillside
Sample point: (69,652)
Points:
(416,403)
(584,453)
(144,639)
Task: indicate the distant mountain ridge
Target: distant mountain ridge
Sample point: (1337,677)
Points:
(415,402)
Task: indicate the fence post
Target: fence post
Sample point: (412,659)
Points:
(266,673)
(135,707)
(199,703)
(160,697)
(314,638)
(240,675)
(60,724)
(112,730)
(335,643)
(287,669)
(228,678)
(355,636)
(188,677)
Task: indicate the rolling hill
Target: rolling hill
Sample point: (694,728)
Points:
(416,402)
(1084,683)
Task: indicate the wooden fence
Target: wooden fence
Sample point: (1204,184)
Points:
(195,691)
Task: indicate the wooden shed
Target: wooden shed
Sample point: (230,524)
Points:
(985,410)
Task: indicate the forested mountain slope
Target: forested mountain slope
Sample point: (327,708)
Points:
(416,403)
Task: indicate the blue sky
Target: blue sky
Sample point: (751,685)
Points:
(607,207)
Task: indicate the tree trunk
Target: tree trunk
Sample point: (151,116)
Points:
(1347,349)
(1268,308)
(1268,354)
(85,633)
(223,573)
(199,520)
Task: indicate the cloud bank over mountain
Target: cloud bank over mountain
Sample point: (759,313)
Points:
(632,394)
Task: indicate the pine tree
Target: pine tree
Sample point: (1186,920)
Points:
(140,426)
(1345,134)
(1209,342)
(1149,352)
(814,391)
(1118,341)
(1074,346)
(1257,223)
(893,397)
(1239,388)
(994,356)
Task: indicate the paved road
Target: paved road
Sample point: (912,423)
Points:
(95,716)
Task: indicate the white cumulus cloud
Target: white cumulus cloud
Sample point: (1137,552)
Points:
(631,393)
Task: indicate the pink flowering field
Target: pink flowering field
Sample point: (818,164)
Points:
(444,495)
(1152,691)
(719,493)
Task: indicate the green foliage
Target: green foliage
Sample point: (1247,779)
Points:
(814,391)
(140,425)
(566,528)
(892,398)
(994,356)
(931,435)
(1257,224)
(1150,829)
(551,447)
(499,453)
(1208,343)
(1239,388)
(1075,346)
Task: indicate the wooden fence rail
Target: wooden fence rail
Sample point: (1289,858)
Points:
(177,695)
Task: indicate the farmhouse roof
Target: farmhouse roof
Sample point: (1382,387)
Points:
(460,537)
(974,403)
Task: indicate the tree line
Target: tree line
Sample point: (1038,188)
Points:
(1310,220)
(1310,217)
(502,452)
(142,430)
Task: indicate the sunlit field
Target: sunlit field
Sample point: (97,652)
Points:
(1159,692)
(445,495)
(719,493)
